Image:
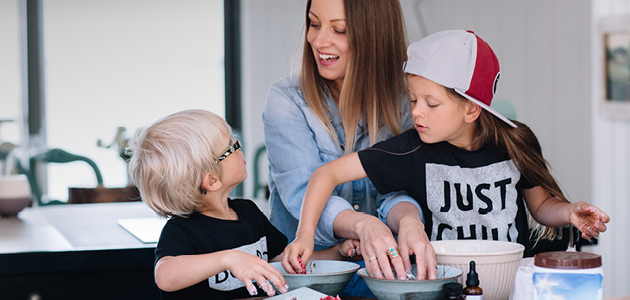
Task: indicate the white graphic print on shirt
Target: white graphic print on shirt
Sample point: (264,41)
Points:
(473,203)
(225,281)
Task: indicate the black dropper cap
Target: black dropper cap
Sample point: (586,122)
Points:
(473,277)
(452,288)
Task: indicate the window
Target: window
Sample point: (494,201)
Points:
(10,80)
(125,63)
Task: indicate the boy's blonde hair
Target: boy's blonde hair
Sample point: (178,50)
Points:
(170,158)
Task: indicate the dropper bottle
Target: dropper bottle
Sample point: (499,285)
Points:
(472,290)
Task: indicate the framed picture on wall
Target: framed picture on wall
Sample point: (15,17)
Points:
(615,39)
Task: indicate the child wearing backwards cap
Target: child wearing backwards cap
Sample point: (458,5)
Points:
(472,170)
(185,166)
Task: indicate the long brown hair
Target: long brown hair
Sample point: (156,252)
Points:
(526,152)
(374,83)
(524,149)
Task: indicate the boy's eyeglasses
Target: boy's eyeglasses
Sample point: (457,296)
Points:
(235,146)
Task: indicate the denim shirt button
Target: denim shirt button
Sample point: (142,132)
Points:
(356,207)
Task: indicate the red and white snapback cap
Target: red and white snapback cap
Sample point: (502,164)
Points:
(460,60)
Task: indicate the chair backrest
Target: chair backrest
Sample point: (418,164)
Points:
(504,107)
(55,156)
(259,182)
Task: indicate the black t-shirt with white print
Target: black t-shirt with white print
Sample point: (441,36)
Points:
(463,194)
(198,234)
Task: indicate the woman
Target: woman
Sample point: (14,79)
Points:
(350,94)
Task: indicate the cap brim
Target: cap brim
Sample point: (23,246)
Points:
(489,109)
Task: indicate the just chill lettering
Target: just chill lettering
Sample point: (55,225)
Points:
(473,203)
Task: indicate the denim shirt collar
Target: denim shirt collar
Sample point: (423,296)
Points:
(335,119)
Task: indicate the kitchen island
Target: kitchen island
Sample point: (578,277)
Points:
(76,251)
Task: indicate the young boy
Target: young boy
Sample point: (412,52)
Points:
(185,166)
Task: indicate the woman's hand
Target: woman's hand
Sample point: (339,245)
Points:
(297,254)
(248,268)
(588,219)
(412,239)
(376,239)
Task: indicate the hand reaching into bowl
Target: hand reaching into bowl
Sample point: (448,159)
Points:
(295,256)
(380,250)
(413,240)
(405,220)
(296,253)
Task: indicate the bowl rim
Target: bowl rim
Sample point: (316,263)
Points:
(355,268)
(411,281)
(520,247)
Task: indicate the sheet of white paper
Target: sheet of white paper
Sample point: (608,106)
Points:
(302,293)
(147,230)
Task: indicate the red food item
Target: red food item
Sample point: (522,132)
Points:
(587,219)
(330,298)
(303,271)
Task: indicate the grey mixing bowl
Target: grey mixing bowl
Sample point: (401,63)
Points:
(386,289)
(326,276)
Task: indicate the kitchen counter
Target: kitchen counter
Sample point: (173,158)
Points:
(76,251)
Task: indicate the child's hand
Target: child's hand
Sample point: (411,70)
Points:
(248,268)
(588,219)
(299,250)
(350,248)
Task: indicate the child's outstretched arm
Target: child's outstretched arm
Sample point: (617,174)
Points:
(343,251)
(173,273)
(320,186)
(551,211)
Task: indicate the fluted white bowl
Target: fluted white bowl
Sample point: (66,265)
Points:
(496,263)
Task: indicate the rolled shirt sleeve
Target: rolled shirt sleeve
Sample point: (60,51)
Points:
(391,200)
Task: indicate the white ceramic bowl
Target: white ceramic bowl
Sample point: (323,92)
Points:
(389,289)
(326,276)
(15,194)
(496,263)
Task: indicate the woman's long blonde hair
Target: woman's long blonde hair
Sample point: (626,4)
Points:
(374,84)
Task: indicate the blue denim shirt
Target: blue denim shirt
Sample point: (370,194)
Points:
(297,144)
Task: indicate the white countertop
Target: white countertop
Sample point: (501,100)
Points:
(72,227)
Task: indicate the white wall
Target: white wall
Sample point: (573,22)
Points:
(271,32)
(610,161)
